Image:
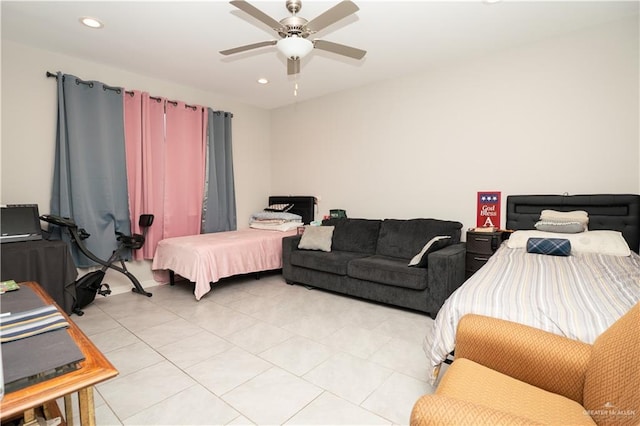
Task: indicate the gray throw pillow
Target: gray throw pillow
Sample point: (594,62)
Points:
(560,227)
(316,238)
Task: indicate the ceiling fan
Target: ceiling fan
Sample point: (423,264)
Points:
(295,30)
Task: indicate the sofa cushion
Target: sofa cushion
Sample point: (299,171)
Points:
(404,238)
(476,384)
(388,270)
(356,235)
(334,262)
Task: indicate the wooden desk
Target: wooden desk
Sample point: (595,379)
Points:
(94,369)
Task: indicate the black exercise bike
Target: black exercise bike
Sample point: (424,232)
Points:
(90,284)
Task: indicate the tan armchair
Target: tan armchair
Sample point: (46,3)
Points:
(511,374)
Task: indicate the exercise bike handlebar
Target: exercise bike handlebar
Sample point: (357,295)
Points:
(75,235)
(58,220)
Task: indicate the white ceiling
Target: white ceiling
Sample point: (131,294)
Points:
(179,41)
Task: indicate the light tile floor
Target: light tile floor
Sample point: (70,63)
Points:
(256,352)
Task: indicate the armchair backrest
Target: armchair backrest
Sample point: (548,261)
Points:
(612,381)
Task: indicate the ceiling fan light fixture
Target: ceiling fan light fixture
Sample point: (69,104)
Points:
(294,31)
(294,47)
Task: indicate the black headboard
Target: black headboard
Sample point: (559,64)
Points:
(618,212)
(304,206)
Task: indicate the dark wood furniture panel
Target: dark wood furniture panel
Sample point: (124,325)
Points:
(480,247)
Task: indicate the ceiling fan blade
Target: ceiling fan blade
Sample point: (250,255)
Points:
(340,49)
(248,47)
(336,13)
(257,13)
(293,66)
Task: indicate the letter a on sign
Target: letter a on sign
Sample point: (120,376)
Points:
(488,209)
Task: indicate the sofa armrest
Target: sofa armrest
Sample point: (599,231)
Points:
(443,410)
(289,244)
(534,356)
(445,273)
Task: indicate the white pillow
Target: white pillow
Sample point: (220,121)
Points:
(572,216)
(603,242)
(418,257)
(316,238)
(282,227)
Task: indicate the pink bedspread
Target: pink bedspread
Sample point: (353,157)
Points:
(206,258)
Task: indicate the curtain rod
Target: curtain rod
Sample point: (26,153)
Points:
(88,83)
(117,89)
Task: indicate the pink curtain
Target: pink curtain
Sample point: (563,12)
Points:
(165,147)
(185,145)
(144,141)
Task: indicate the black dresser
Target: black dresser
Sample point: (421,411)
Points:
(480,247)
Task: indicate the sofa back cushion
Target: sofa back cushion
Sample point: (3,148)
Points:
(405,238)
(611,382)
(356,235)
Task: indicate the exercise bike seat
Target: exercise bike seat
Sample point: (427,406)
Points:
(136,241)
(133,242)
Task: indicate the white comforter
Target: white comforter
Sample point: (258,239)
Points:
(577,296)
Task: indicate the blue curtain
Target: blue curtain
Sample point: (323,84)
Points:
(219,207)
(90,179)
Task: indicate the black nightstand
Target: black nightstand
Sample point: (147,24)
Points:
(480,247)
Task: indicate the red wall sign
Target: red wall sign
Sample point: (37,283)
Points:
(488,209)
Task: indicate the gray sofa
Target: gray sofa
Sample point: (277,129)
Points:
(369,259)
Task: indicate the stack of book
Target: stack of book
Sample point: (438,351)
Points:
(485,229)
(29,329)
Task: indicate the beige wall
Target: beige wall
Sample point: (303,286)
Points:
(557,116)
(29,129)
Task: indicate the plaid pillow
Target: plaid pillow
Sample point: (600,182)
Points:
(551,246)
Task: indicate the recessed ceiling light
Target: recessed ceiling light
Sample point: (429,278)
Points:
(91,22)
(491,1)
(263,80)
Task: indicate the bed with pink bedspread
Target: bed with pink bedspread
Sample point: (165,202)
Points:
(206,258)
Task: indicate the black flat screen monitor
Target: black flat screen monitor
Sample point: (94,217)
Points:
(20,222)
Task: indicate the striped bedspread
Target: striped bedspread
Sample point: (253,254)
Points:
(577,296)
